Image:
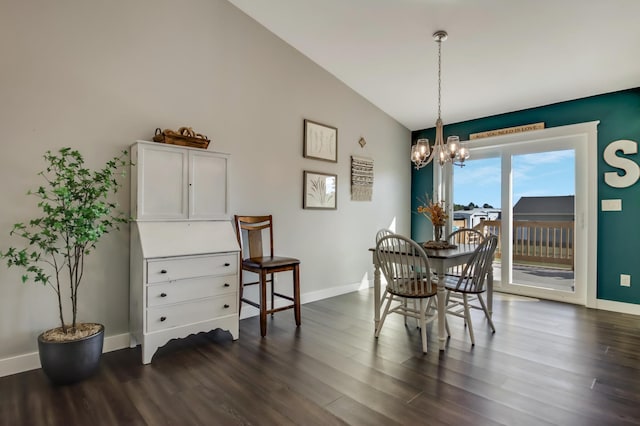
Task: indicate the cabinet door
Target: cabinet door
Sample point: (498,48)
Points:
(207,185)
(162,183)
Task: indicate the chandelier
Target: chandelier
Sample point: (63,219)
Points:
(453,151)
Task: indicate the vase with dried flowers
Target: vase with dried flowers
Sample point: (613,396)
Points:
(436,212)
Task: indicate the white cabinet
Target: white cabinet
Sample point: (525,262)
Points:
(185,257)
(173,296)
(177,183)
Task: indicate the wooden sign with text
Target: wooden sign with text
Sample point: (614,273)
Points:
(507,131)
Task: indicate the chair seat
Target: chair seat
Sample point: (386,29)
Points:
(267,262)
(405,290)
(451,284)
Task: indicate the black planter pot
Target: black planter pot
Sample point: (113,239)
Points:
(69,362)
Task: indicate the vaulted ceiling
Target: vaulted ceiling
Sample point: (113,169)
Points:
(501,55)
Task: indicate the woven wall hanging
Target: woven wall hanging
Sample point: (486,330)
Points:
(361,178)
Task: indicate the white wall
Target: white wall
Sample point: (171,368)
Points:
(98,75)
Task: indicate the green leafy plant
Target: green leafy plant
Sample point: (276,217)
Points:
(76,211)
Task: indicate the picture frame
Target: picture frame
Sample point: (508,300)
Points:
(320,191)
(320,141)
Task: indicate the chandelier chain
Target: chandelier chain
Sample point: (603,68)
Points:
(439,74)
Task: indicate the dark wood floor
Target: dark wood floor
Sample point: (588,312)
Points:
(548,363)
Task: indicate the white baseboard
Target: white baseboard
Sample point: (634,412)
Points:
(248,311)
(31,361)
(332,292)
(18,364)
(621,307)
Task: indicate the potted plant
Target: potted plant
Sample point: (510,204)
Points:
(76,211)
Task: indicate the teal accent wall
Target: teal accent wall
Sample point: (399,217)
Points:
(618,232)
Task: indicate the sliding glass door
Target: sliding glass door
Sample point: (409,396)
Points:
(534,194)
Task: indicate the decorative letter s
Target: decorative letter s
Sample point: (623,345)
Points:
(630,168)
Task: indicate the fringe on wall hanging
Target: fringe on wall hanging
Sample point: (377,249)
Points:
(361,178)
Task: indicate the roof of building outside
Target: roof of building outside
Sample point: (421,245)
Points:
(563,204)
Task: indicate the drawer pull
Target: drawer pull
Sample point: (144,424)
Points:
(162,319)
(227,284)
(227,264)
(163,294)
(164,271)
(226,305)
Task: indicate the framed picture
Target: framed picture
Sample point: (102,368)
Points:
(320,191)
(320,141)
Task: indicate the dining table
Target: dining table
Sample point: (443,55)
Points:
(440,259)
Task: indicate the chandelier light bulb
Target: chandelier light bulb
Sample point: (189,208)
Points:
(463,155)
(453,145)
(420,152)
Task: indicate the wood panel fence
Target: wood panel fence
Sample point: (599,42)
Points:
(550,243)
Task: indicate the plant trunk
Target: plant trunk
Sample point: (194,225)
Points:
(59,294)
(79,269)
(60,310)
(75,309)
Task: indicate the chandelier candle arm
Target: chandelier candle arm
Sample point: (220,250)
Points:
(454,151)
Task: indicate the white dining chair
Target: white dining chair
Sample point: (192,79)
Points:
(383,233)
(405,266)
(465,238)
(470,283)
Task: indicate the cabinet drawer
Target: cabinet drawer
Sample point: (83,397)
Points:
(170,269)
(164,317)
(190,289)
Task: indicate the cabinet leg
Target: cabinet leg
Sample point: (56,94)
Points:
(147,353)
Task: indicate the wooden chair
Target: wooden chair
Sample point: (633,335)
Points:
(471,283)
(383,233)
(405,267)
(262,261)
(465,237)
